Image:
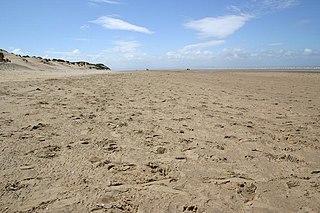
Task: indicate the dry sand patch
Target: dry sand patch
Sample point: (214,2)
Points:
(161,142)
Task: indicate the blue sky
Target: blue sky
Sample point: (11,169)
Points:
(139,34)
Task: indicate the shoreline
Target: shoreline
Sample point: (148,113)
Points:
(21,75)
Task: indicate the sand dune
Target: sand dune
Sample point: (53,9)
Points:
(17,67)
(161,142)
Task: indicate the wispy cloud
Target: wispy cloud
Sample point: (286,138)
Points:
(64,53)
(118,24)
(262,7)
(303,22)
(201,46)
(276,44)
(219,27)
(82,39)
(17,51)
(126,46)
(127,50)
(276,4)
(277,53)
(128,55)
(84,27)
(224,26)
(236,53)
(189,55)
(195,51)
(310,52)
(105,1)
(124,54)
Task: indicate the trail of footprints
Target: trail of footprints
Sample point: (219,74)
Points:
(135,175)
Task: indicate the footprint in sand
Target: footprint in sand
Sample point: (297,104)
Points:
(160,150)
(49,151)
(38,126)
(246,190)
(191,208)
(283,157)
(15,186)
(109,145)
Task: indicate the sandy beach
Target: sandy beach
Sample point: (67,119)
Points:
(160,142)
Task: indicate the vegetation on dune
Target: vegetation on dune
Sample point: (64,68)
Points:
(47,61)
(83,64)
(59,60)
(101,67)
(3,59)
(1,56)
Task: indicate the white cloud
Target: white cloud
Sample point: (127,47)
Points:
(208,58)
(195,51)
(105,1)
(73,55)
(126,46)
(285,53)
(278,53)
(123,55)
(219,27)
(128,55)
(190,55)
(236,53)
(17,51)
(117,24)
(308,52)
(75,52)
(127,51)
(226,25)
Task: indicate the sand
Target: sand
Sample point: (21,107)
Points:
(160,142)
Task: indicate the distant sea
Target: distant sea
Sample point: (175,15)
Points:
(257,69)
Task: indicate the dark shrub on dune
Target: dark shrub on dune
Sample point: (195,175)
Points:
(58,60)
(101,67)
(2,59)
(45,61)
(82,63)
